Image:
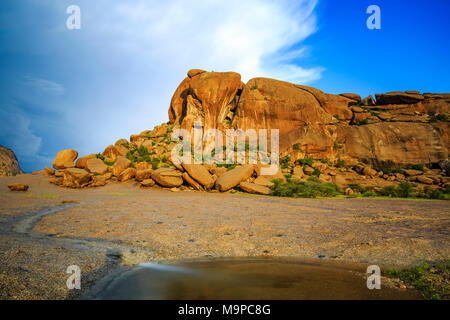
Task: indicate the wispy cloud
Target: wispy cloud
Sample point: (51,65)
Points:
(15,129)
(84,89)
(43,86)
(244,36)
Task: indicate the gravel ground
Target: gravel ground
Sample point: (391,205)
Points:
(47,228)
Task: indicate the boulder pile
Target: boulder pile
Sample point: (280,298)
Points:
(341,139)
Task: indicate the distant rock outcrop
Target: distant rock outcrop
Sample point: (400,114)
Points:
(361,146)
(399,128)
(9,166)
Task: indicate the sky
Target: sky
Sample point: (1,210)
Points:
(85,88)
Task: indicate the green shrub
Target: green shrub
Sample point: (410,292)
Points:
(297,146)
(285,162)
(388,191)
(369,194)
(109,163)
(305,161)
(340,163)
(304,189)
(405,190)
(417,167)
(316,172)
(155,163)
(357,188)
(229,166)
(437,117)
(430,193)
(136,155)
(362,122)
(100,156)
(421,275)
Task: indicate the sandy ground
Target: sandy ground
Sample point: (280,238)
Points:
(48,228)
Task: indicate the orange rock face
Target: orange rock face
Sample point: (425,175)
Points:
(399,128)
(206,97)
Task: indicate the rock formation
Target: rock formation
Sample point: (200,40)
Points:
(398,129)
(9,166)
(342,139)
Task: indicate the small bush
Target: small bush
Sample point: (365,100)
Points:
(305,161)
(340,163)
(403,190)
(430,193)
(304,189)
(316,172)
(388,170)
(297,146)
(431,284)
(357,188)
(109,163)
(362,122)
(155,163)
(437,117)
(388,191)
(417,167)
(100,156)
(226,165)
(285,162)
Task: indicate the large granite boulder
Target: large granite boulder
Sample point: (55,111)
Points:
(65,159)
(232,178)
(167,177)
(9,166)
(200,174)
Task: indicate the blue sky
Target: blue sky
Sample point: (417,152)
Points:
(85,89)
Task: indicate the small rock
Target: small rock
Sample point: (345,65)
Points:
(18,187)
(425,180)
(148,183)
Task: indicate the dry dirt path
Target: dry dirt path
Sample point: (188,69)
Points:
(121,224)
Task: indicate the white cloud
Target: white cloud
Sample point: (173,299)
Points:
(243,36)
(43,86)
(15,129)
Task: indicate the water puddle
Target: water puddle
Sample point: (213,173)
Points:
(243,279)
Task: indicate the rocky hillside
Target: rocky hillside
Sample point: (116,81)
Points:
(396,144)
(397,129)
(9,166)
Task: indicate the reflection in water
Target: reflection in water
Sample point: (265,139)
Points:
(245,279)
